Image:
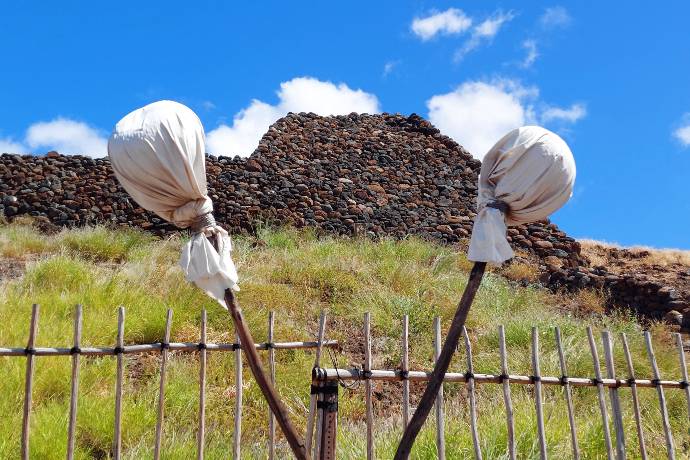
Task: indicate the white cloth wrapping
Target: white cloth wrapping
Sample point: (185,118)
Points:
(530,169)
(158,154)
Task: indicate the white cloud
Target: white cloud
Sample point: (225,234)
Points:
(450,22)
(68,137)
(478,113)
(7,145)
(570,115)
(554,17)
(389,67)
(532,54)
(303,94)
(682,133)
(483,32)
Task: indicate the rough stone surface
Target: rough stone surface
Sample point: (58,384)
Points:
(373,175)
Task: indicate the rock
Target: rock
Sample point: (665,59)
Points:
(674,317)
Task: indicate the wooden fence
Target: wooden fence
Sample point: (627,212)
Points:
(326,383)
(30,352)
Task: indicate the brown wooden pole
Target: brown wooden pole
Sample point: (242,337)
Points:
(436,380)
(247,341)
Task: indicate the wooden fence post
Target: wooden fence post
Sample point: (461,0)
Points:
(272,376)
(613,396)
(633,390)
(119,382)
(161,387)
(683,371)
(536,377)
(28,381)
(74,393)
(440,428)
(368,386)
(469,376)
(313,396)
(237,435)
(405,369)
(670,450)
(600,393)
(567,394)
(201,436)
(506,392)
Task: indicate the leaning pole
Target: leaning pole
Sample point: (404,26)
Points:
(525,177)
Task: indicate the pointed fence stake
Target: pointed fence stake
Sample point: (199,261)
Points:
(161,387)
(313,397)
(28,381)
(118,382)
(636,402)
(683,371)
(567,393)
(272,370)
(670,450)
(449,346)
(469,376)
(537,393)
(600,392)
(613,396)
(440,428)
(201,436)
(74,393)
(239,386)
(405,369)
(506,392)
(368,386)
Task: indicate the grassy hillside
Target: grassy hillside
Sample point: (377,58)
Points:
(296,274)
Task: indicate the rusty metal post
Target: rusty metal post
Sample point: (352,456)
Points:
(328,407)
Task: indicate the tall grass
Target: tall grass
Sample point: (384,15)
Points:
(297,274)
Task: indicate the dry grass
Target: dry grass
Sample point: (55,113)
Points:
(521,272)
(601,252)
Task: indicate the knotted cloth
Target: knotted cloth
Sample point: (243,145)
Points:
(529,174)
(158,154)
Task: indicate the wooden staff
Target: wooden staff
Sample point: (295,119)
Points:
(436,380)
(267,389)
(277,407)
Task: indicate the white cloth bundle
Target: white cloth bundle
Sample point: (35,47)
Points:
(157,153)
(532,171)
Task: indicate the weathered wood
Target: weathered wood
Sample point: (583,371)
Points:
(161,387)
(613,396)
(313,397)
(600,393)
(201,435)
(156,348)
(472,396)
(507,399)
(239,387)
(683,371)
(329,430)
(567,393)
(322,375)
(74,390)
(541,431)
(368,386)
(28,382)
(272,370)
(440,428)
(271,395)
(117,441)
(437,376)
(636,403)
(405,367)
(670,450)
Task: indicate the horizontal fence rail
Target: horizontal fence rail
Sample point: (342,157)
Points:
(31,352)
(324,379)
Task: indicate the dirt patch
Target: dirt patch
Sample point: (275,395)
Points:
(11,269)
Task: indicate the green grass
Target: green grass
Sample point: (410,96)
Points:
(297,274)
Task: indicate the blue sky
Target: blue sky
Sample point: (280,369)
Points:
(613,78)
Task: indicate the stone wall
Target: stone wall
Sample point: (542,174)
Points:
(376,175)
